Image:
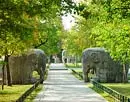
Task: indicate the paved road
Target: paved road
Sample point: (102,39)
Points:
(62,86)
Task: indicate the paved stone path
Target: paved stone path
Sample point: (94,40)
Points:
(62,86)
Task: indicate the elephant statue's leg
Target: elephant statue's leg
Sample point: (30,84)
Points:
(42,75)
(85,76)
(85,73)
(40,72)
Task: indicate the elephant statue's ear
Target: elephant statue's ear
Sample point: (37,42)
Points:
(95,57)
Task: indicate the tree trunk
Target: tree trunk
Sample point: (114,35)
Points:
(3,76)
(124,74)
(76,64)
(8,70)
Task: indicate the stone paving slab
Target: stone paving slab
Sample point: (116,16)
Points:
(57,67)
(62,86)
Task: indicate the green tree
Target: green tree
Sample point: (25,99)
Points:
(112,28)
(105,24)
(22,25)
(53,34)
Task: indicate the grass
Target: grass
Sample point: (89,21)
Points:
(77,68)
(72,65)
(32,96)
(123,88)
(35,75)
(77,76)
(11,94)
(119,87)
(102,93)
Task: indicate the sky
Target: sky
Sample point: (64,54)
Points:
(68,21)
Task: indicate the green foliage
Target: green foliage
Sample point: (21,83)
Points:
(79,37)
(53,34)
(113,32)
(105,24)
(115,38)
(26,24)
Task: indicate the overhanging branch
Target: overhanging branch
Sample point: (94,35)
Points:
(41,43)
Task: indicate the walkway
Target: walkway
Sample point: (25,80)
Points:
(62,86)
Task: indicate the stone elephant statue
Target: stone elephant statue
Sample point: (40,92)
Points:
(64,56)
(22,66)
(101,63)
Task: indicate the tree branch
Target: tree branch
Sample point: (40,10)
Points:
(41,43)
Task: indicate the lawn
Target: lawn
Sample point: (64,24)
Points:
(72,65)
(124,89)
(11,94)
(31,97)
(102,93)
(119,87)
